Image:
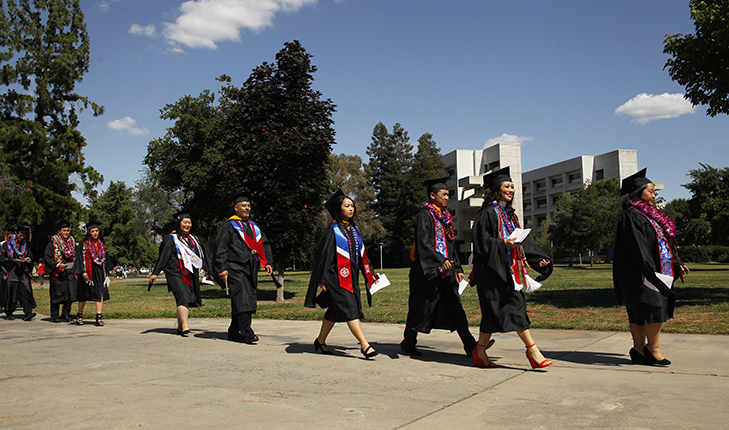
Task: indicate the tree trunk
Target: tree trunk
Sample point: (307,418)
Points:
(280,284)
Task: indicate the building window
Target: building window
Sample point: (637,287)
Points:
(492,166)
(574,177)
(526,188)
(542,203)
(528,222)
(599,175)
(540,185)
(528,205)
(451,193)
(451,172)
(557,181)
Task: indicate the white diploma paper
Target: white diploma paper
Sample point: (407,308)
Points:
(666,279)
(462,286)
(519,234)
(379,284)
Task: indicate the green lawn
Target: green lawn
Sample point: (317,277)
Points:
(577,297)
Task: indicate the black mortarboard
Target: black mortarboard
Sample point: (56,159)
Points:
(334,204)
(62,224)
(437,184)
(92,225)
(634,182)
(493,179)
(185,213)
(239,197)
(25,229)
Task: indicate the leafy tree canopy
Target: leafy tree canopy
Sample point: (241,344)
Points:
(700,62)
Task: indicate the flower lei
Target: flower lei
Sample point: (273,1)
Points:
(443,216)
(63,247)
(12,248)
(663,220)
(98,251)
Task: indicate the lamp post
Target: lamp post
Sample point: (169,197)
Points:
(381,255)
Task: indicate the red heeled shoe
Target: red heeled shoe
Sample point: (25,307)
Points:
(535,365)
(478,362)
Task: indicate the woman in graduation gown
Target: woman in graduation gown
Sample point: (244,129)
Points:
(644,246)
(16,261)
(90,270)
(499,264)
(340,258)
(181,256)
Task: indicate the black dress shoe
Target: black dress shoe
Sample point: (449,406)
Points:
(29,316)
(637,358)
(235,337)
(55,320)
(653,360)
(410,350)
(10,317)
(250,339)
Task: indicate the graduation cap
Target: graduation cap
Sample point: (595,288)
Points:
(25,229)
(62,224)
(634,182)
(437,184)
(185,213)
(239,197)
(92,225)
(493,179)
(334,204)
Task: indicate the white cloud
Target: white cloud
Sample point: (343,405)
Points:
(648,107)
(506,138)
(126,125)
(202,23)
(105,5)
(147,30)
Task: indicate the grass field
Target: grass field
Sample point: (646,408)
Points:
(577,297)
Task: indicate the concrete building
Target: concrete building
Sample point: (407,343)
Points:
(540,188)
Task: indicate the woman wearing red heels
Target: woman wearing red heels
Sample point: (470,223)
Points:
(499,265)
(340,257)
(645,251)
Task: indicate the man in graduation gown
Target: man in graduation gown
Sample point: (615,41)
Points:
(16,260)
(435,274)
(241,248)
(59,256)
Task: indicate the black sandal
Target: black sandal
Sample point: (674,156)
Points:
(79,319)
(370,354)
(99,320)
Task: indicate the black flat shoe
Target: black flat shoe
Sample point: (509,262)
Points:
(653,360)
(637,358)
(366,354)
(318,345)
(183,333)
(410,350)
(250,340)
(10,317)
(29,316)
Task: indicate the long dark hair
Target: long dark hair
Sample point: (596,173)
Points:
(338,213)
(496,195)
(193,229)
(88,236)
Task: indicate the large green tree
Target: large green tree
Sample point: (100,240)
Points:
(279,135)
(700,62)
(708,206)
(45,52)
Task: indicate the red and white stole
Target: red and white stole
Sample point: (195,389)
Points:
(189,259)
(344,261)
(255,244)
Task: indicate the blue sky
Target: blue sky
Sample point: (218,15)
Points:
(564,78)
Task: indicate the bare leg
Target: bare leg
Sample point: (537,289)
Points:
(326,328)
(356,328)
(99,306)
(532,349)
(652,334)
(483,341)
(81,306)
(182,313)
(638,334)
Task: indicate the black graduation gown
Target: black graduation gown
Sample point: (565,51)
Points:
(63,281)
(428,289)
(343,305)
(503,309)
(167,261)
(85,291)
(637,258)
(15,281)
(232,254)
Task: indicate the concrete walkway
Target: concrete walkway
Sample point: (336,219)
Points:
(140,374)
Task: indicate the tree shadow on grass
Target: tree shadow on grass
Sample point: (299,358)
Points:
(262,294)
(690,296)
(605,297)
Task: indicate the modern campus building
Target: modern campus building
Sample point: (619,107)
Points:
(541,188)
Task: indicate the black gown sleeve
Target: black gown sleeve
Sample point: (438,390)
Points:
(430,259)
(320,273)
(166,248)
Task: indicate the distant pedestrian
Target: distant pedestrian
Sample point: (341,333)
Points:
(340,258)
(59,256)
(41,271)
(500,267)
(181,256)
(435,275)
(16,260)
(241,249)
(644,250)
(90,268)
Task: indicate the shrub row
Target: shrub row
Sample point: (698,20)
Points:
(704,254)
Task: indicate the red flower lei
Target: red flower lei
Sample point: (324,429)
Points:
(666,223)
